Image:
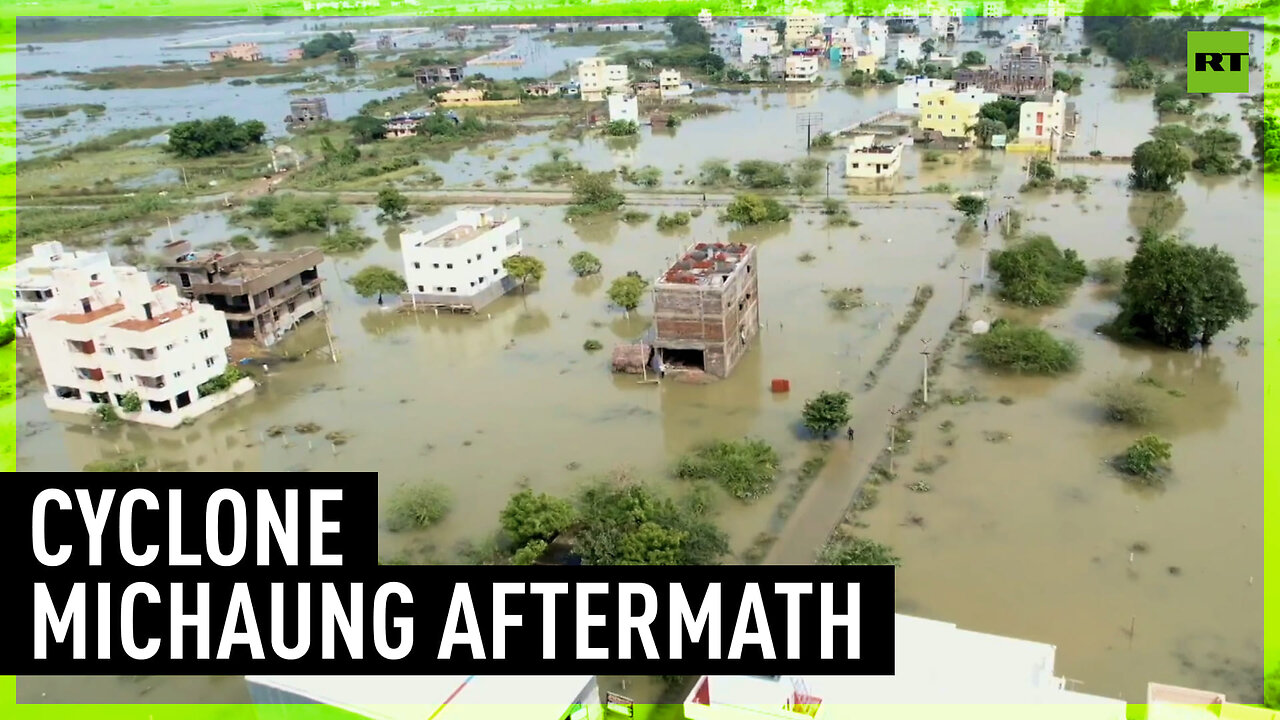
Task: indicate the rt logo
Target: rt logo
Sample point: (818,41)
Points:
(1218,62)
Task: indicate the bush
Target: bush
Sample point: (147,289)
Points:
(629,524)
(414,507)
(1129,404)
(530,553)
(1108,271)
(844,299)
(584,263)
(1036,273)
(219,383)
(592,345)
(529,516)
(745,468)
(1147,460)
(345,240)
(671,222)
(1026,349)
(131,403)
(762,174)
(857,551)
(634,216)
(106,414)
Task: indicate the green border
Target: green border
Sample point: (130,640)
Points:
(248,8)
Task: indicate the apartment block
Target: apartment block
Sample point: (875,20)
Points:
(459,266)
(597,78)
(947,113)
(1042,124)
(102,341)
(429,77)
(32,281)
(706,309)
(800,27)
(802,69)
(911,88)
(263,295)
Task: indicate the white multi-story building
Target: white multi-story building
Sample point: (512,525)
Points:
(597,78)
(909,48)
(105,336)
(937,664)
(461,263)
(877,37)
(802,69)
(757,41)
(845,38)
(1041,124)
(706,20)
(1025,35)
(623,108)
(31,278)
(975,96)
(912,88)
(866,159)
(801,26)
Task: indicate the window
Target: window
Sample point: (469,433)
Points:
(473,284)
(168,347)
(495,271)
(421,289)
(116,377)
(453,289)
(177,373)
(204,334)
(468,261)
(480,280)
(435,266)
(495,248)
(417,266)
(108,350)
(477,256)
(210,362)
(439,289)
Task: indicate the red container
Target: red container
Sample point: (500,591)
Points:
(780,386)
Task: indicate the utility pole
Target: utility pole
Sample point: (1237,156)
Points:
(184,177)
(893,427)
(828,179)
(964,294)
(982,269)
(924,342)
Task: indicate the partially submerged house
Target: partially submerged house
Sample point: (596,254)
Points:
(867,158)
(597,78)
(32,278)
(243,52)
(1021,72)
(263,294)
(306,111)
(429,77)
(706,309)
(459,266)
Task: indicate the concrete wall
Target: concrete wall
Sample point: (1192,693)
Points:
(720,321)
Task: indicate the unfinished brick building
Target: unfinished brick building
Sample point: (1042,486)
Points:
(707,309)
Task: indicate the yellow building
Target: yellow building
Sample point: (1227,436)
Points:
(945,112)
(866,62)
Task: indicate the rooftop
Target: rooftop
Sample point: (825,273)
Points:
(706,264)
(471,223)
(144,324)
(237,268)
(85,318)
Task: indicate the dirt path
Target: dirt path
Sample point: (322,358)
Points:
(824,505)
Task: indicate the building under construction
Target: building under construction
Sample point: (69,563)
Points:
(707,309)
(263,294)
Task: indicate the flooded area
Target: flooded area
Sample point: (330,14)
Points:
(1031,535)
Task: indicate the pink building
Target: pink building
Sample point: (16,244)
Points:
(244,52)
(293,54)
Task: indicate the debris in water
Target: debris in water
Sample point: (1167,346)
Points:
(337,437)
(275,431)
(573,465)
(1174,570)
(306,428)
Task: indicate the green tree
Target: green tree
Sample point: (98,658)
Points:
(971,206)
(826,413)
(529,554)
(763,174)
(327,43)
(393,204)
(928,48)
(1266,143)
(366,129)
(529,516)
(1177,294)
(584,263)
(346,58)
(1066,82)
(857,551)
(973,57)
(524,268)
(1147,459)
(754,210)
(1158,165)
(131,403)
(621,128)
(594,193)
(986,129)
(630,524)
(376,280)
(206,138)
(627,292)
(1004,110)
(1271,689)
(1036,273)
(1217,153)
(1024,349)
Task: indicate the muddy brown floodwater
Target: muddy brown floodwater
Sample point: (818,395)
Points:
(1030,536)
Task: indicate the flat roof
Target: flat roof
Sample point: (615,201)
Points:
(705,264)
(244,266)
(442,697)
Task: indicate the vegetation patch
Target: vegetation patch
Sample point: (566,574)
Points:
(1131,404)
(744,468)
(747,210)
(628,523)
(531,516)
(857,551)
(1146,461)
(675,221)
(1036,273)
(1024,349)
(844,299)
(417,507)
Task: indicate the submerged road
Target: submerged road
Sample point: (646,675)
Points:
(825,503)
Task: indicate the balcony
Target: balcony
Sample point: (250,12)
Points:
(94,374)
(81,347)
(154,382)
(142,354)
